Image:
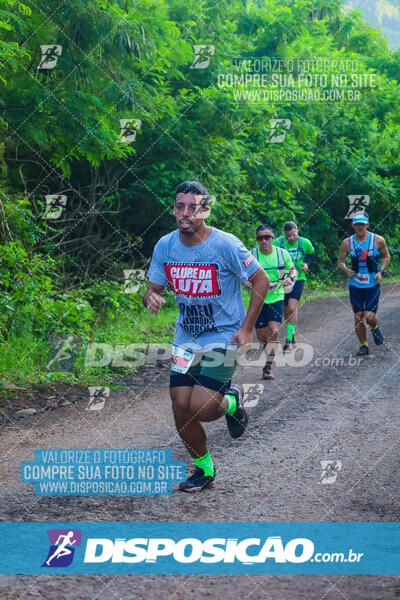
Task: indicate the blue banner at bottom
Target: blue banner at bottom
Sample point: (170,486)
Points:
(207,547)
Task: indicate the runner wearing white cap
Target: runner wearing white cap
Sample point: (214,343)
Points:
(364,249)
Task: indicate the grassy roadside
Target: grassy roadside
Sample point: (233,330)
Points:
(24,358)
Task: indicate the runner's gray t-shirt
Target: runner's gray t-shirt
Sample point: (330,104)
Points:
(206,279)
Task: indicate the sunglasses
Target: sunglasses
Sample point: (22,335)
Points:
(259,238)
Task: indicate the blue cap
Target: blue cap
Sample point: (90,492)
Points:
(361,218)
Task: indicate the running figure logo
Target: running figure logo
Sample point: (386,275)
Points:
(55,204)
(279,129)
(62,547)
(134,278)
(50,54)
(357,204)
(330,471)
(98,397)
(63,348)
(129,129)
(252,393)
(202,55)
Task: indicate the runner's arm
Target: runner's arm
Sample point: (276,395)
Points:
(307,262)
(309,255)
(290,268)
(157,279)
(152,298)
(259,289)
(344,251)
(383,249)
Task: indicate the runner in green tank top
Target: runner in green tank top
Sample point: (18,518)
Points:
(301,251)
(281,272)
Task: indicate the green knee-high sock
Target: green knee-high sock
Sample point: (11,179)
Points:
(205,463)
(290,331)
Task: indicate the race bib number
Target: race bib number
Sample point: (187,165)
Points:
(273,285)
(288,285)
(181,359)
(362,279)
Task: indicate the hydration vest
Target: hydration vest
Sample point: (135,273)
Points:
(281,262)
(281,241)
(371,262)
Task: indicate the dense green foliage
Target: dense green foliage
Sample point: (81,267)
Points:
(60,134)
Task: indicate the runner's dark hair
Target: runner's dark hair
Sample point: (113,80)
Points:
(194,187)
(262,227)
(289,225)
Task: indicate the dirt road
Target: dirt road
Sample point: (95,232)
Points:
(324,410)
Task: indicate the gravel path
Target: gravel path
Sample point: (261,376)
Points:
(307,414)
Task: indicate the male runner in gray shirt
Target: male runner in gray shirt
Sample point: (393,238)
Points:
(205,268)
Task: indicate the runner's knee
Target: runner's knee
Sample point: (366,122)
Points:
(206,404)
(261,335)
(370,317)
(274,329)
(359,317)
(180,400)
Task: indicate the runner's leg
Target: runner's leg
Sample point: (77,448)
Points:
(357,301)
(190,407)
(201,396)
(371,319)
(269,336)
(187,423)
(290,313)
(359,326)
(291,321)
(267,330)
(371,306)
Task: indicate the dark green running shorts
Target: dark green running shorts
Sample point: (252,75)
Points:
(213,370)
